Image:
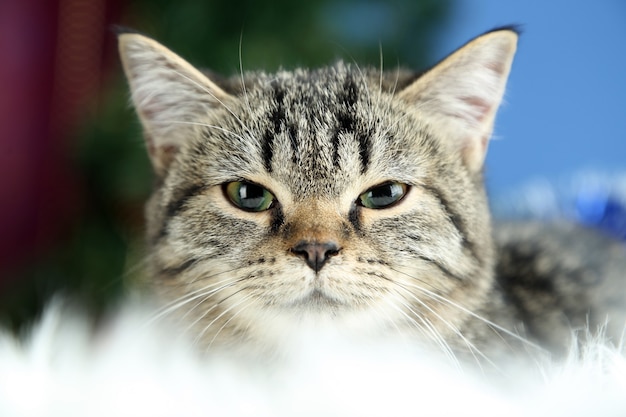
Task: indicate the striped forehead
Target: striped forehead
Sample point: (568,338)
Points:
(319,127)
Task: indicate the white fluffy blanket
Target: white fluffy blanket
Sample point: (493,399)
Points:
(64,369)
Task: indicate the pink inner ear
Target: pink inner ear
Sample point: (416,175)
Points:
(164,152)
(151,109)
(496,66)
(161,156)
(480,105)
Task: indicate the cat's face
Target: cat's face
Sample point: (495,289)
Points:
(337,193)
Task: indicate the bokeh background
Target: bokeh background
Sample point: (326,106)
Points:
(73,173)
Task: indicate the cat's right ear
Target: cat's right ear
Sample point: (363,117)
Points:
(170,96)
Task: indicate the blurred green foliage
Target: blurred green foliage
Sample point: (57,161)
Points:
(102,250)
(289,33)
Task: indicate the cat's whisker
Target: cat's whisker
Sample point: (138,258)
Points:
(231,318)
(385,110)
(381,77)
(472,348)
(428,329)
(411,320)
(392,92)
(210,293)
(219,316)
(490,323)
(382,72)
(455,330)
(191,296)
(139,265)
(230,132)
(129,272)
(214,97)
(193,277)
(395,83)
(384,314)
(364,81)
(213,306)
(420,323)
(243,81)
(176,305)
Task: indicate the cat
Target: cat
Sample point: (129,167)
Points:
(353,198)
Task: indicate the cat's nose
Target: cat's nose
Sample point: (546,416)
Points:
(315,253)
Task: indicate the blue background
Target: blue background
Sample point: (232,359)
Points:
(565,105)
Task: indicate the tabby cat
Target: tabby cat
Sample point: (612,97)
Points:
(353,197)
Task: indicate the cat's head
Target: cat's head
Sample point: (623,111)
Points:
(340,192)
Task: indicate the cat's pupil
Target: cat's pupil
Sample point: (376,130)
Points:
(383,196)
(248,196)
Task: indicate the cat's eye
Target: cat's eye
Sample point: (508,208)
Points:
(248,196)
(383,195)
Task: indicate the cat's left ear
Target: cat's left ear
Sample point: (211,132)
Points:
(462,93)
(171,96)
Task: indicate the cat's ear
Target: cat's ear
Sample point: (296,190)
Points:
(169,94)
(462,93)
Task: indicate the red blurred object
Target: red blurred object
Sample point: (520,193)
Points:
(51,67)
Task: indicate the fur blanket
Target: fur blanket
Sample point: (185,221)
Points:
(63,368)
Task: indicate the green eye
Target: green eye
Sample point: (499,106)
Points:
(383,196)
(248,196)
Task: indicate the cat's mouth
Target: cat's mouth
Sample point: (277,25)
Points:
(317,299)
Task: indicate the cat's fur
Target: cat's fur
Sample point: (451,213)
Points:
(426,268)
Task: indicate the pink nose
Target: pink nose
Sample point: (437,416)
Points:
(315,254)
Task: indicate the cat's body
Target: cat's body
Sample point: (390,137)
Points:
(561,278)
(352,198)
